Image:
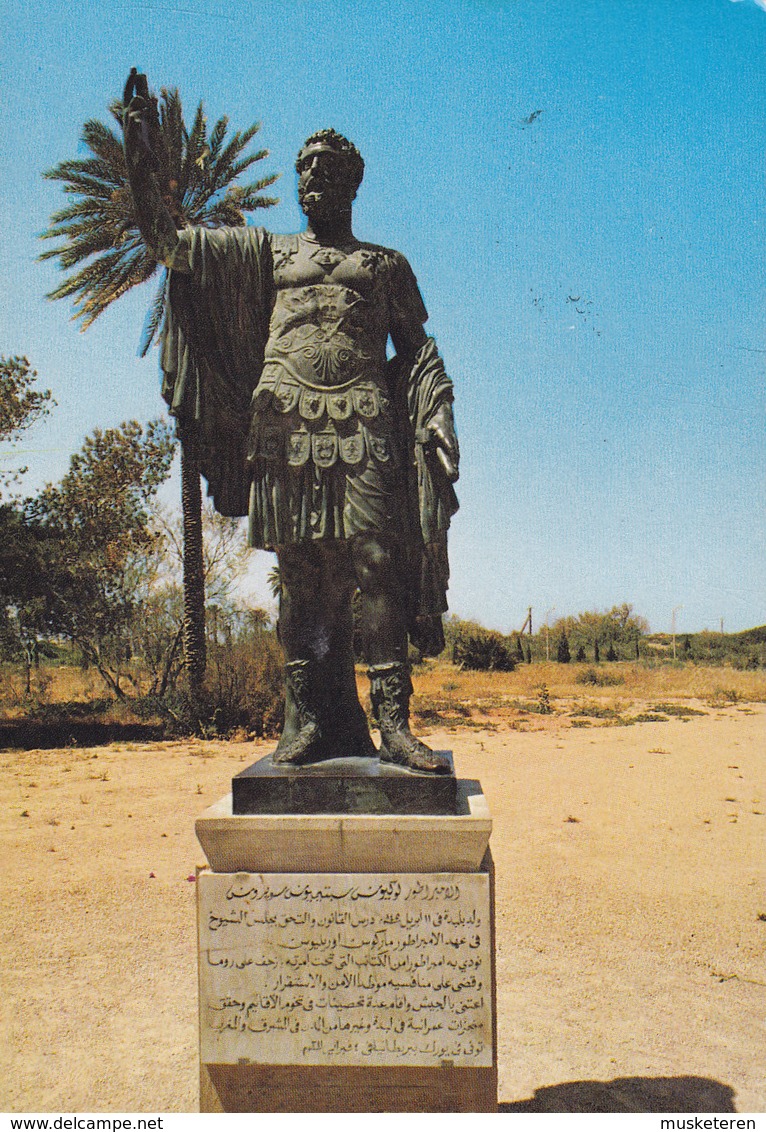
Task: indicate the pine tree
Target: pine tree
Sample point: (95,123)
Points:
(21,406)
(563,655)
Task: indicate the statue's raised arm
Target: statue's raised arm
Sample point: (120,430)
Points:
(143,155)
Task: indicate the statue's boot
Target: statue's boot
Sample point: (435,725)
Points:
(390,691)
(303,746)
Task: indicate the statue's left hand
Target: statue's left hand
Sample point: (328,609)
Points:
(442,428)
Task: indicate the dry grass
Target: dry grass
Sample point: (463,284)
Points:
(437,679)
(57,685)
(60,685)
(450,697)
(637,680)
(447,696)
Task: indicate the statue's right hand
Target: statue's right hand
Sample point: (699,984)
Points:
(137,84)
(136,129)
(135,115)
(139,122)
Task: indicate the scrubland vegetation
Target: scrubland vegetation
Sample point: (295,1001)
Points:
(245,692)
(92,621)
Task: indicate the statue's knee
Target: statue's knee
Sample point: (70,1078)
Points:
(373,562)
(299,571)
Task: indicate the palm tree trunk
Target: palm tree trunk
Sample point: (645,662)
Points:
(194,574)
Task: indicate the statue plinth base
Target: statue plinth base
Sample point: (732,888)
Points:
(342,786)
(347,960)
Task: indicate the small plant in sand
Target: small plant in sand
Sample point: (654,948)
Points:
(723,696)
(598,679)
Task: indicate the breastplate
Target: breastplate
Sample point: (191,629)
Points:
(324,335)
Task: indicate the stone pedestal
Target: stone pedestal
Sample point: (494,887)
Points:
(347,961)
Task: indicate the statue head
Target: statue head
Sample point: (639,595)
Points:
(330,169)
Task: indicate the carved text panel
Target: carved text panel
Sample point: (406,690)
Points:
(358,969)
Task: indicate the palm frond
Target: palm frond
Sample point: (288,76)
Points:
(217,137)
(125,276)
(105,144)
(251,201)
(192,172)
(239,167)
(264,183)
(231,152)
(99,244)
(81,181)
(155,316)
(97,279)
(100,240)
(174,132)
(119,204)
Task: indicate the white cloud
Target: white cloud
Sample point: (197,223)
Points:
(761,3)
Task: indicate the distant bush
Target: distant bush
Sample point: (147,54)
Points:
(723,696)
(481,649)
(598,679)
(244,687)
(744,651)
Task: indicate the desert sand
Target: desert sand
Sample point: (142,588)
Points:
(631,915)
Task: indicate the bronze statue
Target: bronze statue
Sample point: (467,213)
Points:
(274,350)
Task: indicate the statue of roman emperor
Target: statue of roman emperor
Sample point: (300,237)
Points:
(275,350)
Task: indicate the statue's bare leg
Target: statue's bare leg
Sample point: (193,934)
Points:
(384,642)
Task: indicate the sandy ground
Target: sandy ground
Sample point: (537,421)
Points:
(631,916)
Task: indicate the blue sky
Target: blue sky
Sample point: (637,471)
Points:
(594,276)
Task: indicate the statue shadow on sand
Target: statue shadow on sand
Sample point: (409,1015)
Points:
(630,1094)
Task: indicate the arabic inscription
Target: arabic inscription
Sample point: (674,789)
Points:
(359,969)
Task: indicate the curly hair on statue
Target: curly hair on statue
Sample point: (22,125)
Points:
(340,144)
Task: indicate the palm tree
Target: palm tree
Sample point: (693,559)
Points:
(104,255)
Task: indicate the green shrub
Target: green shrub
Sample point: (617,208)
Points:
(245,684)
(544,701)
(482,649)
(244,687)
(599,679)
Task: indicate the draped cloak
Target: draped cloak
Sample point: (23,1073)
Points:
(212,357)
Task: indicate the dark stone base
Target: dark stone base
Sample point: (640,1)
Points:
(342,786)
